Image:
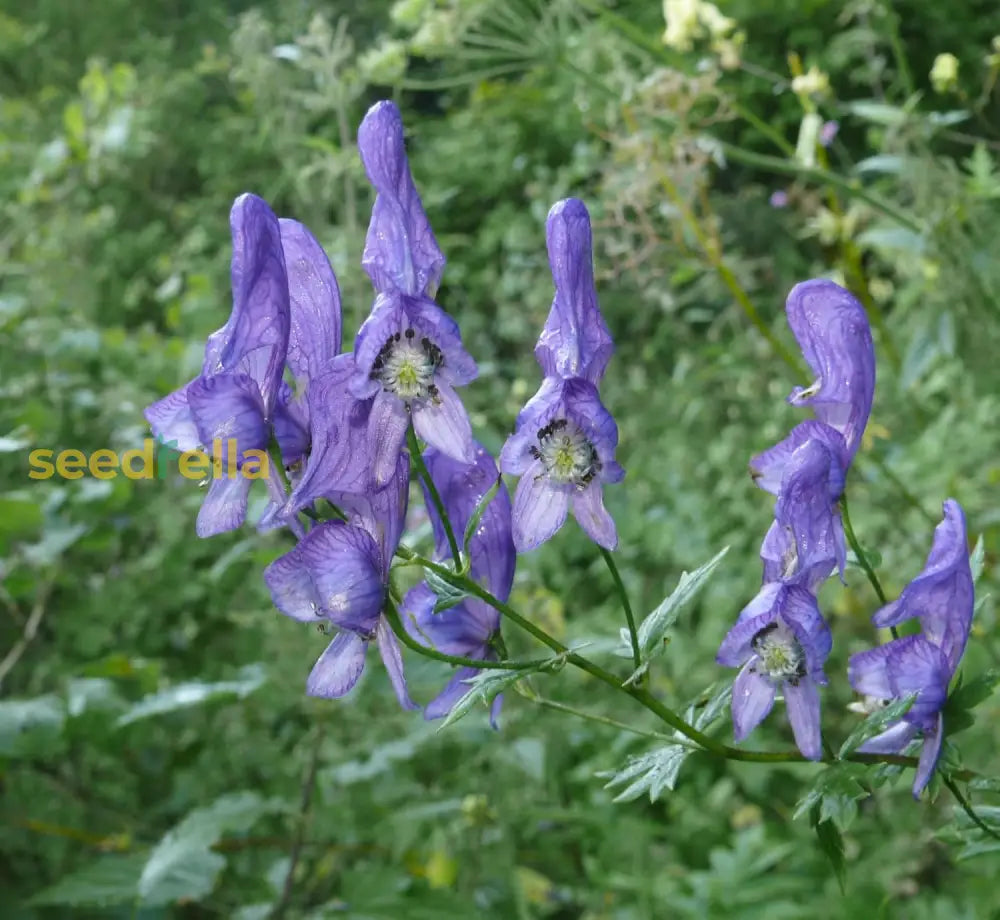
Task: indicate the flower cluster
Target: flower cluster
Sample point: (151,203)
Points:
(336,425)
(780,639)
(941,599)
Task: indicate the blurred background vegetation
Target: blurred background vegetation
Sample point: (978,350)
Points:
(158,756)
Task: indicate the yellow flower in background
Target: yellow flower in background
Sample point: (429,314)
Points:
(944,73)
(812,83)
(688,20)
(681,17)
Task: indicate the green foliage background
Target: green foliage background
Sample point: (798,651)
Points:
(158,757)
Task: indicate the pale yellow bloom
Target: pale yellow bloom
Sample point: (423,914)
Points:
(944,73)
(812,83)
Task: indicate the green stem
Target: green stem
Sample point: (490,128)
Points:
(604,720)
(639,694)
(968,809)
(418,462)
(626,606)
(396,624)
(862,558)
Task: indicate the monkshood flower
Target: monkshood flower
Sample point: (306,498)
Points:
(833,332)
(941,597)
(338,575)
(780,640)
(314,334)
(467,628)
(408,353)
(563,449)
(233,398)
(575,341)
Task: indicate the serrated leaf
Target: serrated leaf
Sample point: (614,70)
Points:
(876,723)
(654,627)
(832,845)
(182,865)
(107,881)
(833,796)
(194,693)
(484,688)
(651,772)
(446,593)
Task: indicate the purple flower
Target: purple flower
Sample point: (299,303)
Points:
(314,334)
(408,353)
(828,132)
(338,574)
(563,449)
(941,597)
(778,199)
(575,341)
(468,628)
(767,469)
(832,330)
(806,540)
(233,399)
(780,641)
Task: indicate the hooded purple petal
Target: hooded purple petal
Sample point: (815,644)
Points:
(832,330)
(314,298)
(339,667)
(575,341)
(942,595)
(334,573)
(255,339)
(400,250)
(929,755)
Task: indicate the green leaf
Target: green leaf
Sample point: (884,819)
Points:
(654,627)
(966,696)
(890,164)
(30,727)
(833,794)
(893,238)
(182,866)
(448,595)
(876,723)
(107,881)
(194,693)
(977,559)
(485,687)
(877,112)
(651,772)
(832,845)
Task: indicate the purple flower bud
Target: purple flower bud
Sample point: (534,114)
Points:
(828,133)
(778,199)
